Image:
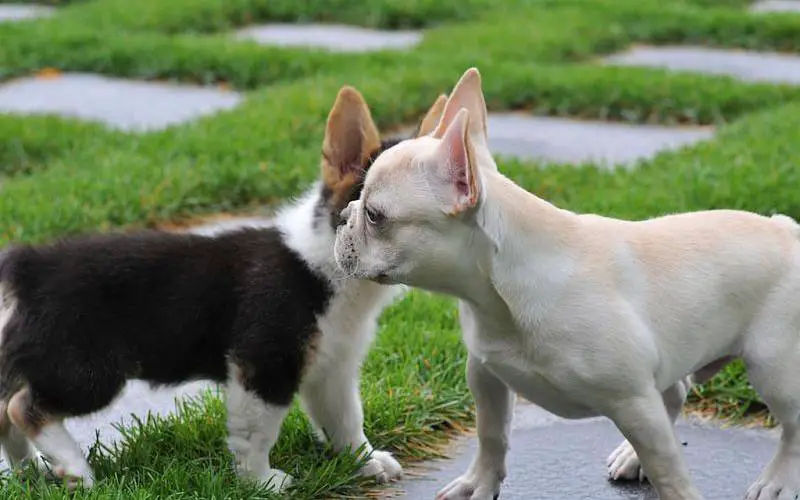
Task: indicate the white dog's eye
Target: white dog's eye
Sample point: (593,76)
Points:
(374,217)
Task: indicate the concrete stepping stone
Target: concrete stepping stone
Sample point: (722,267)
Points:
(776,6)
(18,12)
(137,398)
(562,140)
(335,38)
(748,66)
(123,104)
(553,458)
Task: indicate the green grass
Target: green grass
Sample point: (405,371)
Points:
(62,176)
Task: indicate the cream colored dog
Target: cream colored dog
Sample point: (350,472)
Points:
(581,314)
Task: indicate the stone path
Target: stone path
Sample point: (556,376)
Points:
(776,6)
(552,458)
(332,37)
(137,398)
(18,12)
(747,66)
(123,104)
(569,141)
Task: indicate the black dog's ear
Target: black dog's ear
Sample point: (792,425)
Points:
(431,119)
(350,136)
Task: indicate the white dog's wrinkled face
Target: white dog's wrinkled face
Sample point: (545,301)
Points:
(397,229)
(415,218)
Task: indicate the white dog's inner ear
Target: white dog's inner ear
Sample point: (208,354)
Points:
(455,165)
(466,94)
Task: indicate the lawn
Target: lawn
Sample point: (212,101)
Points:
(61,176)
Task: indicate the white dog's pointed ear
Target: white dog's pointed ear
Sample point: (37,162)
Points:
(456,167)
(466,94)
(428,124)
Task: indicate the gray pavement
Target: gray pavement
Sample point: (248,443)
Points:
(138,399)
(331,37)
(570,141)
(553,459)
(776,6)
(767,67)
(17,12)
(127,105)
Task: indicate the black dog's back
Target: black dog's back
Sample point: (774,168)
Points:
(92,312)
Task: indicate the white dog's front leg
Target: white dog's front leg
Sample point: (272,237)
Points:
(644,421)
(623,463)
(494,404)
(333,402)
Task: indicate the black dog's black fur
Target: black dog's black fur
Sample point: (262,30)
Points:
(92,312)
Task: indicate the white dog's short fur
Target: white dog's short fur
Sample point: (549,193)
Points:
(581,314)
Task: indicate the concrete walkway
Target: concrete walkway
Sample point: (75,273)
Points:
(11,12)
(551,459)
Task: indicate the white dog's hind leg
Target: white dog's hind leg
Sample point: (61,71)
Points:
(623,463)
(644,421)
(494,404)
(331,398)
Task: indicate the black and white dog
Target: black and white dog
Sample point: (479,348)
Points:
(264,309)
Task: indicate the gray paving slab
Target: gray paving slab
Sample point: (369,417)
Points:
(745,65)
(138,399)
(776,6)
(18,12)
(555,459)
(332,37)
(571,141)
(123,104)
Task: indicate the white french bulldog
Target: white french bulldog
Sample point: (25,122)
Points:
(581,314)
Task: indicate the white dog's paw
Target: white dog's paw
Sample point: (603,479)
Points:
(472,486)
(276,480)
(781,484)
(623,464)
(383,467)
